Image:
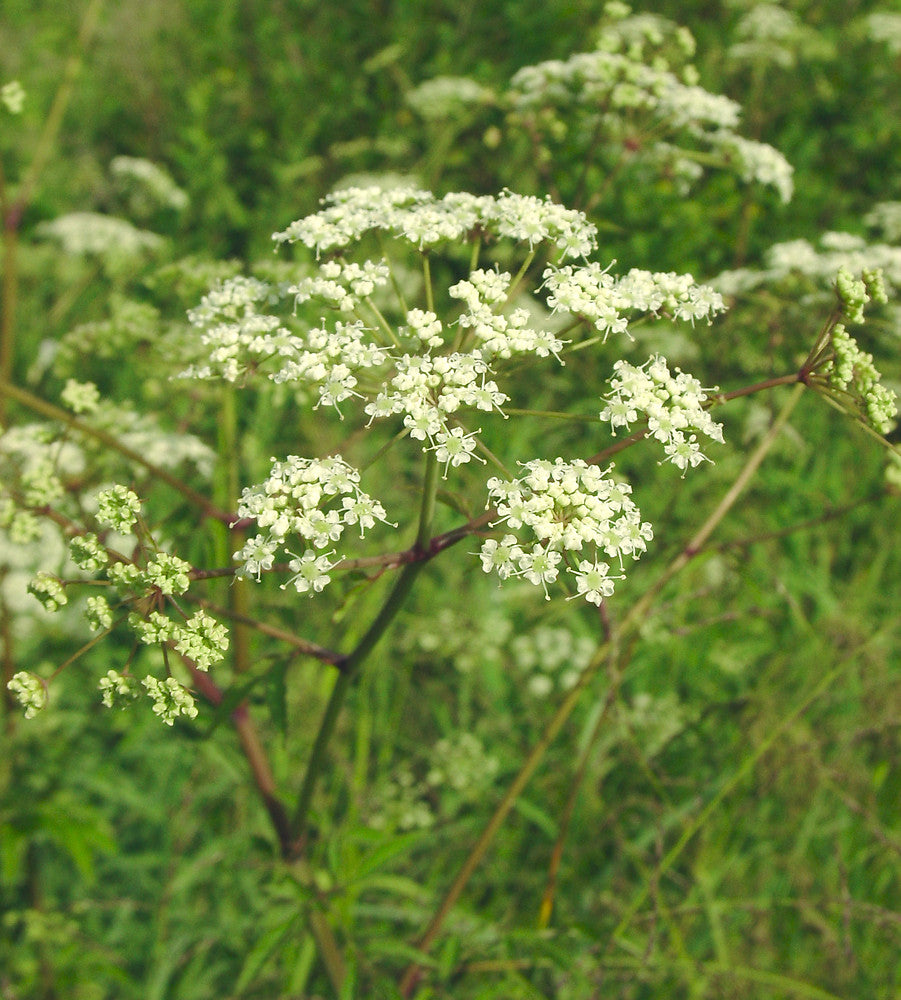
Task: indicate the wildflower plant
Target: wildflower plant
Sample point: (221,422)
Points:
(414,330)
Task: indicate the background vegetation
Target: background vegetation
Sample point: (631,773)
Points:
(735,828)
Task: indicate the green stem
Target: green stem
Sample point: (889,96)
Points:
(474,255)
(60,102)
(8,307)
(631,621)
(13,210)
(427,277)
(228,541)
(351,665)
(520,274)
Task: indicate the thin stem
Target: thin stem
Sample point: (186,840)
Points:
(8,306)
(427,278)
(14,210)
(383,323)
(61,100)
(631,621)
(474,255)
(547,902)
(520,274)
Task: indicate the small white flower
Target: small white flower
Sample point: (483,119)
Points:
(593,582)
(501,556)
(311,572)
(455,447)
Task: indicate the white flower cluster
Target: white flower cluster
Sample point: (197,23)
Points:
(98,614)
(428,389)
(235,332)
(460,762)
(758,161)
(424,220)
(634,33)
(567,506)
(80,397)
(156,187)
(341,285)
(39,482)
(885,26)
(292,502)
(167,573)
(630,77)
(622,83)
(49,590)
(87,553)
(29,691)
(400,803)
(330,357)
(551,657)
(820,264)
(170,699)
(12,97)
(443,96)
(92,234)
(460,770)
(672,403)
(496,333)
(769,34)
(595,294)
(886,217)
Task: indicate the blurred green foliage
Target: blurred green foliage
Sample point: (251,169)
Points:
(738,828)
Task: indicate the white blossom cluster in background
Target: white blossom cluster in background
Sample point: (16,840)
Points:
(551,658)
(93,234)
(819,263)
(443,96)
(638,80)
(638,91)
(885,26)
(768,34)
(12,97)
(672,403)
(147,184)
(459,770)
(885,217)
(574,514)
